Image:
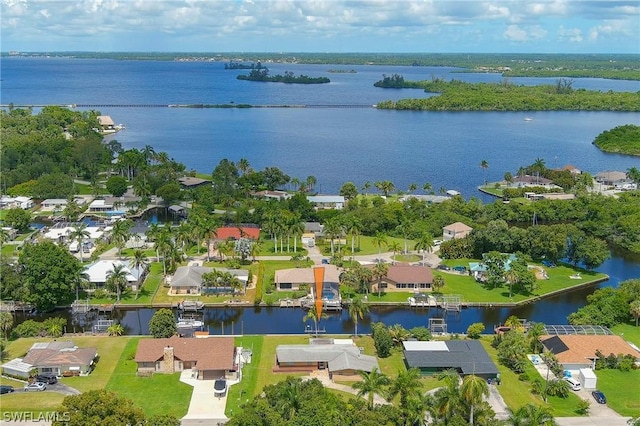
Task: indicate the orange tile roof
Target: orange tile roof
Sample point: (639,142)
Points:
(581,348)
(236,232)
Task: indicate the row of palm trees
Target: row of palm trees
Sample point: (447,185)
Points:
(456,402)
(281,225)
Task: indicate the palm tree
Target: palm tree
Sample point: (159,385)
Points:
(120,234)
(333,230)
(162,243)
(372,383)
(313,315)
(311,183)
(634,309)
(633,173)
(366,187)
(117,279)
(412,188)
(296,228)
(394,246)
(354,226)
(184,234)
(380,270)
(484,165)
(256,248)
(115,330)
(424,243)
(6,322)
(291,398)
(438,283)
(357,309)
(407,385)
(531,415)
(243,165)
(512,277)
(404,228)
(139,261)
(534,332)
(473,389)
(79,233)
(428,188)
(379,240)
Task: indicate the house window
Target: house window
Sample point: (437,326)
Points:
(383,285)
(285,286)
(46,370)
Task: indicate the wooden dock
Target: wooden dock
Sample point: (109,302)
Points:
(83,307)
(13,306)
(289,303)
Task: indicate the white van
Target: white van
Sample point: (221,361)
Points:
(574,384)
(74,247)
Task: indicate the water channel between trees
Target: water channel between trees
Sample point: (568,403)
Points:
(276,320)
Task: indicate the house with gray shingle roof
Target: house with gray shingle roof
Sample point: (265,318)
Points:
(465,356)
(339,356)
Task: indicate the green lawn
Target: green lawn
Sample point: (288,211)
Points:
(516,393)
(267,248)
(109,351)
(156,395)
(629,332)
(246,389)
(472,291)
(364,245)
(9,250)
(145,295)
(622,389)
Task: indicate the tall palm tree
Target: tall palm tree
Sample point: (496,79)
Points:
(405,228)
(139,261)
(379,240)
(428,188)
(484,165)
(314,316)
(366,187)
(424,243)
(394,246)
(473,390)
(79,233)
(380,270)
(291,398)
(407,385)
(243,165)
(634,309)
(333,230)
(120,234)
(256,248)
(184,235)
(162,245)
(372,383)
(354,226)
(296,228)
(357,309)
(512,277)
(117,279)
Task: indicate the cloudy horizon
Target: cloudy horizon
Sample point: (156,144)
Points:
(334,26)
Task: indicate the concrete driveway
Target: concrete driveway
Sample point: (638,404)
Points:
(204,408)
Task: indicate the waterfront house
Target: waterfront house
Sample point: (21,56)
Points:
(340,357)
(529,181)
(106,122)
(455,230)
(611,177)
(465,356)
(188,279)
(292,279)
(403,278)
(272,195)
(209,358)
(98,273)
(189,182)
(579,351)
(322,202)
(24,203)
(53,204)
(315,228)
(61,358)
(428,198)
(100,206)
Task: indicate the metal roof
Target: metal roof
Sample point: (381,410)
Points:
(565,329)
(466,355)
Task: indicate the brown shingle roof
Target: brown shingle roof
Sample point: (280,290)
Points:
(581,348)
(410,274)
(45,357)
(213,353)
(458,227)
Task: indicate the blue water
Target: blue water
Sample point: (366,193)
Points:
(333,144)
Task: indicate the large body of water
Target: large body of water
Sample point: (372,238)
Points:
(333,144)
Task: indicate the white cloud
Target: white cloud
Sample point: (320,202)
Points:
(517,33)
(573,35)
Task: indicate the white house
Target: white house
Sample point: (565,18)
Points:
(98,273)
(16,202)
(455,230)
(327,201)
(53,204)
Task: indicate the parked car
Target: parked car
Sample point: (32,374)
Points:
(49,379)
(599,397)
(325,261)
(444,267)
(460,268)
(6,389)
(437,242)
(220,387)
(35,386)
(573,383)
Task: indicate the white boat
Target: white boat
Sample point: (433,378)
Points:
(189,323)
(528,119)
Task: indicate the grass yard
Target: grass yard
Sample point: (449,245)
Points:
(516,393)
(390,365)
(267,248)
(364,245)
(628,332)
(145,295)
(109,350)
(472,291)
(622,389)
(9,249)
(156,395)
(246,389)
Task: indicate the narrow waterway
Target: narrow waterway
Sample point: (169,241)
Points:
(274,320)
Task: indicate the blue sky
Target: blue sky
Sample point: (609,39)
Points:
(542,26)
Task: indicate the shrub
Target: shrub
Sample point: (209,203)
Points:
(583,407)
(382,339)
(558,387)
(474,331)
(523,377)
(421,333)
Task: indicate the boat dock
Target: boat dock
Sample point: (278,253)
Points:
(289,303)
(448,302)
(82,307)
(13,306)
